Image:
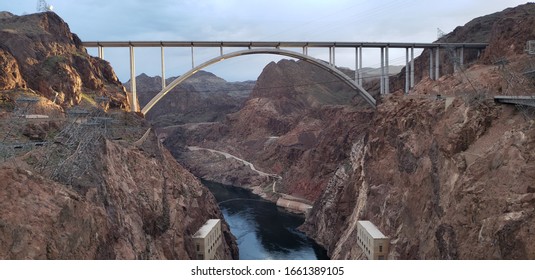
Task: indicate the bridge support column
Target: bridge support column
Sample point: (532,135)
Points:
(192,58)
(163,68)
(334,56)
(358,65)
(412,68)
(461,57)
(331,56)
(100,52)
(407,78)
(134,105)
(431,64)
(382,80)
(387,72)
(437,64)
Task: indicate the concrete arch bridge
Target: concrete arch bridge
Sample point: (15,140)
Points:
(277,49)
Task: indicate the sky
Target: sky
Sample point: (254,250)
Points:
(256,20)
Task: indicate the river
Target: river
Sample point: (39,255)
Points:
(263,230)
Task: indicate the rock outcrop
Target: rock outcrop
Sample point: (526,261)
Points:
(39,52)
(507,33)
(446,177)
(129,203)
(95,184)
(203,97)
(451,183)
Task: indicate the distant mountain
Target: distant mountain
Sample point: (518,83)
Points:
(204,97)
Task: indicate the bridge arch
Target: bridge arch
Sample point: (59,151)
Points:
(337,73)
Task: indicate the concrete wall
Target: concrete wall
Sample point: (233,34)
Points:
(206,247)
(374,248)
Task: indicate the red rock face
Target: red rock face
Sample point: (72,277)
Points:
(442,184)
(10,76)
(49,59)
(139,204)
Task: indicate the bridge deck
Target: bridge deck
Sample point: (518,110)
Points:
(273,44)
(516,100)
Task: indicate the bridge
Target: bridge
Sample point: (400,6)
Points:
(281,48)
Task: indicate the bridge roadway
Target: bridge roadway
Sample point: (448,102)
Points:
(516,100)
(274,47)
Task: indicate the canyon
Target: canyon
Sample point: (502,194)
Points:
(444,171)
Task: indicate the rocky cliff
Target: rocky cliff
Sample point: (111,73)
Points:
(506,32)
(94,183)
(39,52)
(203,97)
(444,178)
(132,203)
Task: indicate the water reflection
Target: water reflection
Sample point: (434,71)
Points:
(263,230)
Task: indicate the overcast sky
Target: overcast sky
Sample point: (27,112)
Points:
(261,20)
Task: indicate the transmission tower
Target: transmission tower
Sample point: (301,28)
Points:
(440,33)
(42,6)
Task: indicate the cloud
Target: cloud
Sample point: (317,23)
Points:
(274,20)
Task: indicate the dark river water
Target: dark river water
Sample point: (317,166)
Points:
(263,230)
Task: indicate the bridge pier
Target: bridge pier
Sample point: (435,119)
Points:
(412,68)
(382,79)
(458,63)
(163,67)
(358,65)
(100,52)
(332,59)
(431,64)
(437,64)
(134,105)
(461,57)
(387,72)
(407,71)
(192,58)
